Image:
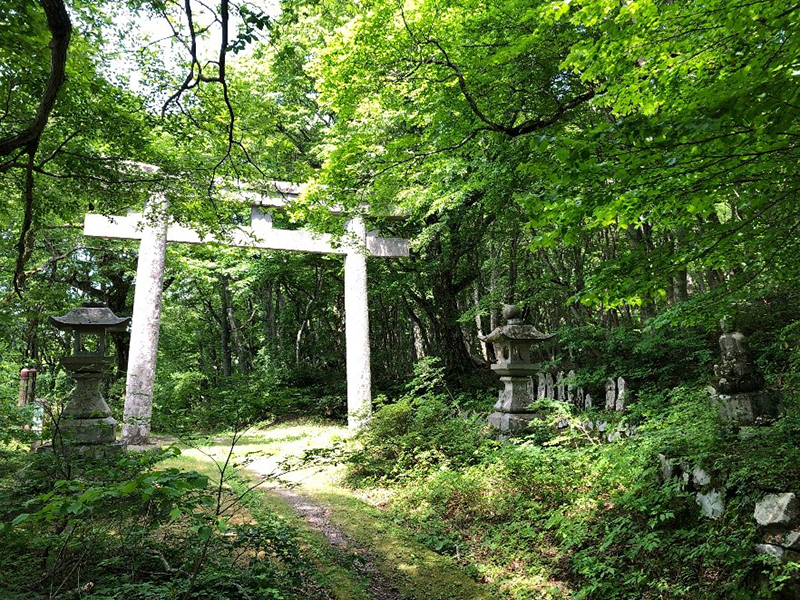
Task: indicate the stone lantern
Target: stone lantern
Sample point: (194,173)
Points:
(512,344)
(86,422)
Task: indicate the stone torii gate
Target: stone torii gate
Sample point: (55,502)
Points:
(154,231)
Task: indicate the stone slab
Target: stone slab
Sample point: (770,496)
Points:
(777,510)
(512,422)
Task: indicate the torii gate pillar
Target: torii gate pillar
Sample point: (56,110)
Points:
(356,314)
(145,324)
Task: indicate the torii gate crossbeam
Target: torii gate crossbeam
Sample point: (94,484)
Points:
(154,234)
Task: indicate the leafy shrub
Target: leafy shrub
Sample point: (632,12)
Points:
(424,428)
(132,530)
(577,519)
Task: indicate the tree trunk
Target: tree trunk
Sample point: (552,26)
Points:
(241,351)
(225,332)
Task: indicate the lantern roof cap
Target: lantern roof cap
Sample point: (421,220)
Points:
(516,332)
(515,329)
(90,316)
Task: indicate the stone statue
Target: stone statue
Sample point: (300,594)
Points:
(738,386)
(735,372)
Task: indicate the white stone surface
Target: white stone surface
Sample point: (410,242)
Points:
(777,510)
(356,310)
(145,325)
(712,504)
(260,234)
(775,553)
(700,477)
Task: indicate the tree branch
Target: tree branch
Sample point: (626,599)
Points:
(60,29)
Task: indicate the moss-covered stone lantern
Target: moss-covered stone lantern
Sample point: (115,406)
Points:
(86,422)
(512,344)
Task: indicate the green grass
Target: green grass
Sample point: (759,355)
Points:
(416,571)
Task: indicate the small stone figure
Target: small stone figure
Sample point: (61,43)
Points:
(611,394)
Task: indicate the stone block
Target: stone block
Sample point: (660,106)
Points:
(712,504)
(669,468)
(792,540)
(786,539)
(774,553)
(88,431)
(777,510)
(512,422)
(700,477)
(777,554)
(516,396)
(748,408)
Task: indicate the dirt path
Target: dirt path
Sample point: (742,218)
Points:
(318,518)
(362,552)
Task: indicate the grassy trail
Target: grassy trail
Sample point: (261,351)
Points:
(360,551)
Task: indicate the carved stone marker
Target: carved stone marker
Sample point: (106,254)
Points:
(738,386)
(571,387)
(611,394)
(549,387)
(622,395)
(86,424)
(561,387)
(514,366)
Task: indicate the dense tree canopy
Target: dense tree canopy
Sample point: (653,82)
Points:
(623,170)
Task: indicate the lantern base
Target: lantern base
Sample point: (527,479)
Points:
(82,451)
(512,422)
(89,432)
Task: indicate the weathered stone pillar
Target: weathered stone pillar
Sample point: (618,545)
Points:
(27,387)
(356,309)
(145,323)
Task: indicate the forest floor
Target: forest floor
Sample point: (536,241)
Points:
(359,550)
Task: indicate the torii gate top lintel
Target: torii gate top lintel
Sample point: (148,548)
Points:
(260,233)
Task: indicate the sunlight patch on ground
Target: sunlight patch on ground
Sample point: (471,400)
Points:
(273,451)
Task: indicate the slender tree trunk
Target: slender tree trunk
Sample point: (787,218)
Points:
(225,332)
(236,335)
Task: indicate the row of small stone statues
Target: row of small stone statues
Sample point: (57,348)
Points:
(558,387)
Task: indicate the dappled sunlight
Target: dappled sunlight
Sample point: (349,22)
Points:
(278,453)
